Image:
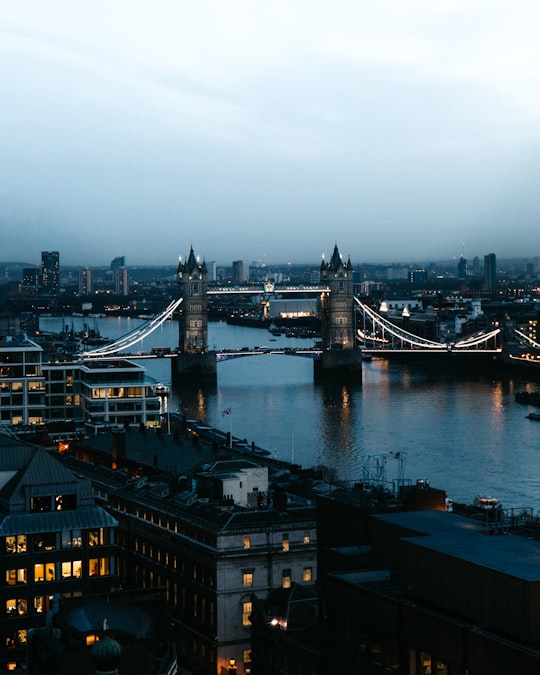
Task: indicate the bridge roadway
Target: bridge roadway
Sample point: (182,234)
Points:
(222,355)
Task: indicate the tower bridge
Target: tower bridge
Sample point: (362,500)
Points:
(349,327)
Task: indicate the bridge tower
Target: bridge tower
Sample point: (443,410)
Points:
(338,326)
(193,358)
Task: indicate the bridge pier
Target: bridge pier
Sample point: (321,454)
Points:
(194,366)
(338,364)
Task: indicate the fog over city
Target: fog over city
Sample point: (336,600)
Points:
(269,131)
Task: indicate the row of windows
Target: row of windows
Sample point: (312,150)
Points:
(286,577)
(53,571)
(198,573)
(50,541)
(285,542)
(178,527)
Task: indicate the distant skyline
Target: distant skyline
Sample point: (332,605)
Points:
(401,131)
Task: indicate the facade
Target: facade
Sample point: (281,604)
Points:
(50,271)
(22,383)
(35,392)
(54,541)
(217,539)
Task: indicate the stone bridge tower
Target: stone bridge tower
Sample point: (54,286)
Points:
(338,325)
(193,355)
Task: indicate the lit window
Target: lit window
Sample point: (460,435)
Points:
(16,544)
(308,574)
(285,542)
(247,542)
(99,567)
(307,538)
(246,613)
(286,579)
(248,578)
(16,576)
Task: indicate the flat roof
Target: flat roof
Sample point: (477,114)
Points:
(467,539)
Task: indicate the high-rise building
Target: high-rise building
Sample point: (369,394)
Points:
(50,271)
(238,272)
(462,268)
(490,271)
(119,261)
(85,281)
(121,281)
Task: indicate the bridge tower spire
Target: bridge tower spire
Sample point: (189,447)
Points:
(340,352)
(193,355)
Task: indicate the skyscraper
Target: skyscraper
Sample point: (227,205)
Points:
(50,271)
(490,271)
(85,281)
(120,280)
(238,273)
(462,268)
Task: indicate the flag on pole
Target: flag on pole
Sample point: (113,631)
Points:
(227,411)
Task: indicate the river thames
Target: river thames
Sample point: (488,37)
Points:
(464,434)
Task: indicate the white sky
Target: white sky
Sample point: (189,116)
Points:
(401,129)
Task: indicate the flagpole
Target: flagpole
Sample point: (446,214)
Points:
(230,430)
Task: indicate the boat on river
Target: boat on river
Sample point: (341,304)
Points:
(486,502)
(534,416)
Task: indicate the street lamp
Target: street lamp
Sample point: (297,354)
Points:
(232,667)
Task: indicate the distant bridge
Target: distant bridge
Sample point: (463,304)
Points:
(374,333)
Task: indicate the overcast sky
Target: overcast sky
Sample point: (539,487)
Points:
(403,130)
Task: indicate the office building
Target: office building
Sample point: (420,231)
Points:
(50,271)
(54,542)
(215,531)
(490,271)
(92,392)
(462,268)
(238,272)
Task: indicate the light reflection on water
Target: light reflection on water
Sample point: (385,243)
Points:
(463,435)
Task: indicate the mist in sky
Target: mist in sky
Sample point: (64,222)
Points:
(400,130)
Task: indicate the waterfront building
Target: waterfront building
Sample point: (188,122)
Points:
(22,383)
(98,393)
(218,536)
(50,271)
(54,542)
